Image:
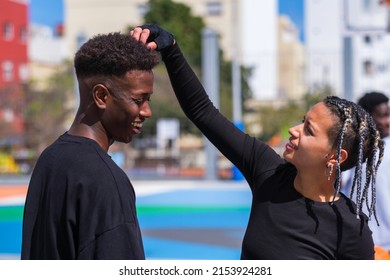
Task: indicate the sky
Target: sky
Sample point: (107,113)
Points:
(50,12)
(294,9)
(47,12)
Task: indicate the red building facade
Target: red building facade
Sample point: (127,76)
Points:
(13,41)
(13,67)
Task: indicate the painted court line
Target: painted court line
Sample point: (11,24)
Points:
(12,195)
(180,219)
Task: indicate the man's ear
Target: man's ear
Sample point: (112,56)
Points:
(100,94)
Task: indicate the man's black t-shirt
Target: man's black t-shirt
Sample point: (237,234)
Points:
(80,205)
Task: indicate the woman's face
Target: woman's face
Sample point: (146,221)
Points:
(309,144)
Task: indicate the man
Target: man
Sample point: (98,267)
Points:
(80,204)
(377,104)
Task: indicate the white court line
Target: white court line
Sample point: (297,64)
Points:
(13,200)
(143,188)
(146,187)
(9,256)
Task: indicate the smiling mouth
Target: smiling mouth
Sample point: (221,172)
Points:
(137,125)
(291,146)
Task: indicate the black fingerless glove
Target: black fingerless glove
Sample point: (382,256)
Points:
(161,37)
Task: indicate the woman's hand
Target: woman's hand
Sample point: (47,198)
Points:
(153,36)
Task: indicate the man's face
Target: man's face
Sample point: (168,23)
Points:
(128,108)
(381,116)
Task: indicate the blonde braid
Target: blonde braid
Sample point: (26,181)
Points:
(357,134)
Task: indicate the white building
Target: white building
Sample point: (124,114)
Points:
(291,61)
(44,47)
(347,46)
(259,45)
(46,52)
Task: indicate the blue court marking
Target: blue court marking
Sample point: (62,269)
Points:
(204,223)
(241,197)
(10,237)
(165,249)
(229,218)
(194,224)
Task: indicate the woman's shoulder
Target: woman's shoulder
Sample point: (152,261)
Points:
(348,209)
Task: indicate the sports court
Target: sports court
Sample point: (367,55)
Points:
(180,219)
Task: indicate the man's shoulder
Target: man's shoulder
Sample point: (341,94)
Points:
(72,154)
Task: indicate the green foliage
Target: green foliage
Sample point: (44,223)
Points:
(317,94)
(277,120)
(226,100)
(165,105)
(178,19)
(10,101)
(47,109)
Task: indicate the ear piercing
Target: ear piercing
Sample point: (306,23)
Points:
(330,171)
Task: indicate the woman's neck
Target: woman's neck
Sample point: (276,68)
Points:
(315,188)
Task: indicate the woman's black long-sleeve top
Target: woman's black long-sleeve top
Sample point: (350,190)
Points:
(282,224)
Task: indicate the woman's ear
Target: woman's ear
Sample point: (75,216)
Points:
(343,155)
(331,158)
(100,93)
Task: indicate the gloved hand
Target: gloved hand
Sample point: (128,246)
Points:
(161,37)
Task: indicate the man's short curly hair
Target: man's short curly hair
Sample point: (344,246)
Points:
(372,99)
(113,54)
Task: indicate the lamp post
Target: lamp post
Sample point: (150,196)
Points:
(210,78)
(236,80)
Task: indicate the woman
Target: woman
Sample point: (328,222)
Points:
(297,210)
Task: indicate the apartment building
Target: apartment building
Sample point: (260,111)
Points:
(291,61)
(47,50)
(13,41)
(347,46)
(13,68)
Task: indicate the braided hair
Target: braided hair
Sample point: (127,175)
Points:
(357,134)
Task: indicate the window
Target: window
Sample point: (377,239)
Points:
(367,5)
(8,70)
(23,35)
(23,72)
(8,115)
(367,40)
(8,31)
(368,68)
(214,8)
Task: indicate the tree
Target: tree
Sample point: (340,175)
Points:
(276,120)
(179,20)
(165,105)
(187,28)
(226,82)
(11,120)
(316,94)
(48,109)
